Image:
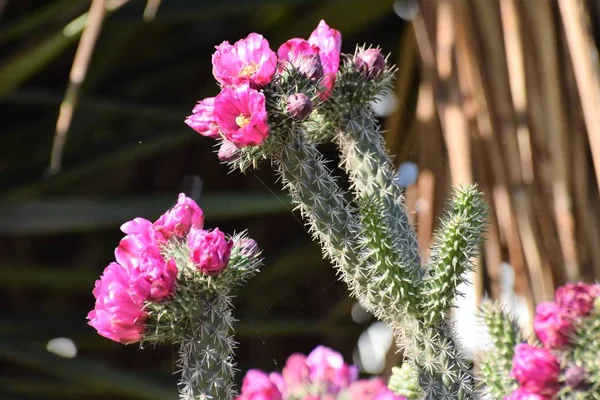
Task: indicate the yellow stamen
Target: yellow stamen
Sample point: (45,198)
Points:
(248,70)
(242,120)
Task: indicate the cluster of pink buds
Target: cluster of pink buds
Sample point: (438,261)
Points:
(238,114)
(143,272)
(322,375)
(538,369)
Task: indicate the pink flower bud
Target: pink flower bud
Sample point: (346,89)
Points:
(536,369)
(299,106)
(303,56)
(552,325)
(329,43)
(209,250)
(202,119)
(576,377)
(178,221)
(370,62)
(228,151)
(248,247)
(577,299)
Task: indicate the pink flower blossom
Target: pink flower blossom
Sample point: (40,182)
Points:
(249,60)
(209,250)
(577,299)
(329,42)
(372,389)
(116,315)
(241,114)
(296,374)
(536,370)
(552,325)
(327,368)
(522,394)
(202,119)
(303,56)
(258,386)
(178,221)
(151,278)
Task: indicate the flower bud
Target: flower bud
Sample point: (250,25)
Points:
(576,377)
(370,62)
(228,151)
(309,66)
(299,106)
(209,250)
(248,247)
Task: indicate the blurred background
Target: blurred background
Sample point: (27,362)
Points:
(505,93)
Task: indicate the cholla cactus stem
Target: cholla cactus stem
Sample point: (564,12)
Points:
(206,353)
(318,197)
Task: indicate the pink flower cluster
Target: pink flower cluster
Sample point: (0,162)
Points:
(554,321)
(142,274)
(238,113)
(322,375)
(537,369)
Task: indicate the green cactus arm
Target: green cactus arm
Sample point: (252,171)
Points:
(455,244)
(434,354)
(496,363)
(199,321)
(316,194)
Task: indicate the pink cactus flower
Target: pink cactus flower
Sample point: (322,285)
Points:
(303,56)
(241,114)
(178,221)
(329,42)
(249,60)
(209,250)
(577,299)
(536,370)
(372,389)
(522,394)
(154,279)
(296,374)
(552,325)
(327,367)
(116,315)
(258,386)
(202,119)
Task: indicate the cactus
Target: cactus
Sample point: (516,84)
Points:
(505,335)
(199,321)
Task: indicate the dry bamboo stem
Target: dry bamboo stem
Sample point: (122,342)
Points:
(78,71)
(552,100)
(580,44)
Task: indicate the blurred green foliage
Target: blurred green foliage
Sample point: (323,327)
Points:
(128,154)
